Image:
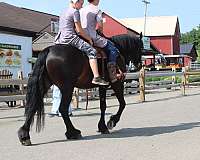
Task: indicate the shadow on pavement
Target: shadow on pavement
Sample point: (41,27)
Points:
(134,132)
(146,131)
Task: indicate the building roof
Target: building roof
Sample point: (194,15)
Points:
(186,48)
(24,19)
(44,40)
(155,26)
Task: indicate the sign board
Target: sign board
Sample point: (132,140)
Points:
(146,43)
(14,53)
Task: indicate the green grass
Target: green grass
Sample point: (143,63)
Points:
(195,78)
(150,79)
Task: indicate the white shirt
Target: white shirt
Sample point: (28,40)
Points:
(90,16)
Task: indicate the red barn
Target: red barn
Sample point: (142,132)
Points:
(112,27)
(163,31)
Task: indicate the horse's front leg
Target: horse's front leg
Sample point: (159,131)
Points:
(118,88)
(72,132)
(101,125)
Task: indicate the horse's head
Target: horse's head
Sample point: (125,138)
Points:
(136,52)
(131,47)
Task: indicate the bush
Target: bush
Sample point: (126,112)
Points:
(194,79)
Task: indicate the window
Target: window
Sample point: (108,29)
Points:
(54,26)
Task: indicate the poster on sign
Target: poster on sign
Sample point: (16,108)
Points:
(14,54)
(10,55)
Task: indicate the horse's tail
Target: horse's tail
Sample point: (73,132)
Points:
(36,91)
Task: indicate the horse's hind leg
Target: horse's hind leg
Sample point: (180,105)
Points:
(101,125)
(118,88)
(30,111)
(72,132)
(23,132)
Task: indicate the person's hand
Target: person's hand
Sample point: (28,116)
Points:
(91,42)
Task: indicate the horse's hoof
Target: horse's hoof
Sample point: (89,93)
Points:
(73,136)
(24,137)
(110,124)
(26,142)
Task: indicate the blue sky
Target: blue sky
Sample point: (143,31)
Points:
(188,12)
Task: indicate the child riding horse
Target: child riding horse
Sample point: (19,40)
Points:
(64,66)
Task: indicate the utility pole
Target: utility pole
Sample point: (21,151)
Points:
(145,14)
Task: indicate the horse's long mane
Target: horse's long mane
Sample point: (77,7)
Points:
(127,45)
(125,41)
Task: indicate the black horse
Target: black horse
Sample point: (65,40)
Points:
(66,67)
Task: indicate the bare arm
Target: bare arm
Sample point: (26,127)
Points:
(82,33)
(99,18)
(100,26)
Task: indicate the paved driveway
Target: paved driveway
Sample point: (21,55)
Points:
(166,127)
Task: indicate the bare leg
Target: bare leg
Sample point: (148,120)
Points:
(97,79)
(94,67)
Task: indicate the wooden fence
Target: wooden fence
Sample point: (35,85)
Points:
(195,65)
(15,95)
(184,82)
(143,85)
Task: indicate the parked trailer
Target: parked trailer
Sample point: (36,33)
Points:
(166,62)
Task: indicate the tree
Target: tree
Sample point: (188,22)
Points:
(192,37)
(198,58)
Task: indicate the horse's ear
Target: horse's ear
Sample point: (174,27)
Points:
(141,35)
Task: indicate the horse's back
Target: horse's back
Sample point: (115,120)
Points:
(64,51)
(67,63)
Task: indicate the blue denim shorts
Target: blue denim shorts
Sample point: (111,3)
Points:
(111,51)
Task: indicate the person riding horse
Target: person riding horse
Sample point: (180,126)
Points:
(66,67)
(69,28)
(91,17)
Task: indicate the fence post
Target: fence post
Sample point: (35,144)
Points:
(187,76)
(174,77)
(87,99)
(75,99)
(142,84)
(183,81)
(20,76)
